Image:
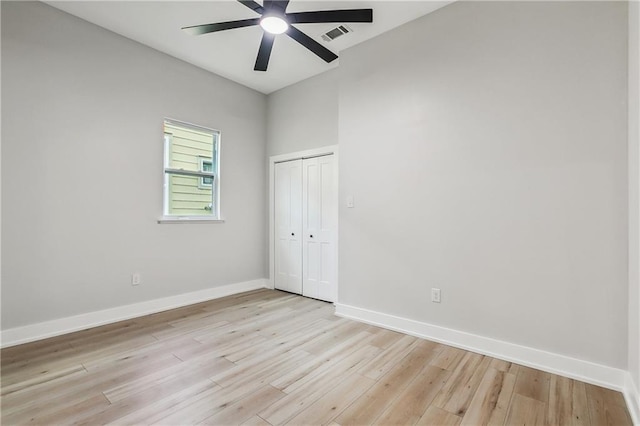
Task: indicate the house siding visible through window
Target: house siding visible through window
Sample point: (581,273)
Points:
(190,149)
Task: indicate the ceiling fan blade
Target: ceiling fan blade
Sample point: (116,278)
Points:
(220,26)
(253,6)
(311,44)
(278,5)
(322,16)
(264,52)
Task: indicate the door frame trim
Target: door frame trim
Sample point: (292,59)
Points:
(309,153)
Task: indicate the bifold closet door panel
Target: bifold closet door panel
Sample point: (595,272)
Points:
(319,223)
(288,226)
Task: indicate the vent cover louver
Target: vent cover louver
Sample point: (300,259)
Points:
(336,32)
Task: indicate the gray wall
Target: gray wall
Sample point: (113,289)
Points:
(82,170)
(634,192)
(304,115)
(485,146)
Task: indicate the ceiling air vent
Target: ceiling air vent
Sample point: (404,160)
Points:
(336,32)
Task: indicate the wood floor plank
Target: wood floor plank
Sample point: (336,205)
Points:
(491,401)
(385,338)
(448,358)
(256,421)
(381,365)
(457,393)
(37,358)
(245,408)
(412,403)
(371,405)
(26,402)
(63,413)
(339,331)
(267,357)
(277,328)
(48,349)
(533,383)
(312,387)
(607,396)
(526,411)
(567,402)
(194,410)
(161,400)
(580,411)
(190,329)
(437,416)
(46,376)
(141,354)
(208,404)
(281,340)
(315,365)
(42,390)
(127,336)
(184,372)
(261,367)
(506,366)
(606,407)
(45,399)
(215,348)
(189,401)
(326,408)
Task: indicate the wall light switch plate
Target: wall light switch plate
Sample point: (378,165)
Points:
(136,278)
(435,295)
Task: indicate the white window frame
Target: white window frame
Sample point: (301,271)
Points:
(215,216)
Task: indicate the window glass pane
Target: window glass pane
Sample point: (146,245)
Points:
(187,197)
(187,145)
(193,150)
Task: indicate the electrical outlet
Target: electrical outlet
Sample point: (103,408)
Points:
(435,295)
(136,278)
(350,201)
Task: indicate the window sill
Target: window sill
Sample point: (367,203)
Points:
(188,219)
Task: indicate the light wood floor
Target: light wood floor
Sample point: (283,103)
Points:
(268,357)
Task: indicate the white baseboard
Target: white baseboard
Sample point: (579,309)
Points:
(597,374)
(43,330)
(632,397)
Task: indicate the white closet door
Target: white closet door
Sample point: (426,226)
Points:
(288,226)
(319,223)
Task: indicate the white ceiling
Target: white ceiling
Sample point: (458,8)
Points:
(232,53)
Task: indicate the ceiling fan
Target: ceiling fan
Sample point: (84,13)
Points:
(275,20)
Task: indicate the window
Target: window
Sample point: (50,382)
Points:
(191,171)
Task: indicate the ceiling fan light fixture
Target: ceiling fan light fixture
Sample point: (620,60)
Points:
(274,24)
